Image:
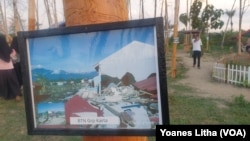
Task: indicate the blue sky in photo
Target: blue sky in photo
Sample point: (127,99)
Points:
(45,107)
(80,52)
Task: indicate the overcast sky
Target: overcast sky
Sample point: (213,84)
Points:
(224,5)
(149,10)
(218,4)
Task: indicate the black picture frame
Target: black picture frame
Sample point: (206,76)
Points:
(95,80)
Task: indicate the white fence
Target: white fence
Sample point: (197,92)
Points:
(234,74)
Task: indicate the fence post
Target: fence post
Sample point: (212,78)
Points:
(227,73)
(248,76)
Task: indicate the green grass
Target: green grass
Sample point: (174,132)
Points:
(13,124)
(197,110)
(184,108)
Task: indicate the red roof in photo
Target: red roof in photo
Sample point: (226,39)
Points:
(148,85)
(76,105)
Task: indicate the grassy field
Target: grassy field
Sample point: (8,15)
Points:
(183,109)
(13,124)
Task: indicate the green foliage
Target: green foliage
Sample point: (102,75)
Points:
(240,102)
(194,15)
(215,38)
(245,84)
(186,108)
(209,18)
(184,18)
(13,124)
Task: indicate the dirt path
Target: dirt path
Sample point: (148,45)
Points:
(202,82)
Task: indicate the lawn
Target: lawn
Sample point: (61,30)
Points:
(183,109)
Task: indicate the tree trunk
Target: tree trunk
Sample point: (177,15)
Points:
(84,12)
(55,14)
(3,28)
(166,28)
(47,8)
(32,19)
(173,68)
(239,34)
(224,34)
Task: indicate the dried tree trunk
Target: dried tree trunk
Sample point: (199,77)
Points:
(3,22)
(37,16)
(142,8)
(129,5)
(31,18)
(173,65)
(17,20)
(166,28)
(240,24)
(224,34)
(46,3)
(83,12)
(54,13)
(155,8)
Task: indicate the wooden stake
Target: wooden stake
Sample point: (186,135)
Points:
(83,12)
(173,69)
(32,19)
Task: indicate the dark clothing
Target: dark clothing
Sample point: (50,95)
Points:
(17,68)
(196,55)
(247,48)
(17,64)
(9,86)
(4,50)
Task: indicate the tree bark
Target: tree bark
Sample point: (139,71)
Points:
(166,28)
(84,12)
(32,19)
(173,65)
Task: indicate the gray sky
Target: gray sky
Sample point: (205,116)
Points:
(226,5)
(149,11)
(218,4)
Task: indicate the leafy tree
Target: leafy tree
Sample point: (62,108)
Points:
(209,18)
(230,15)
(184,19)
(195,10)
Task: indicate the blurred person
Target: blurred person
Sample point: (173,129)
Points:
(9,85)
(197,43)
(248,45)
(16,62)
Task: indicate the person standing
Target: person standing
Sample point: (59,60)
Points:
(16,62)
(248,45)
(9,85)
(197,43)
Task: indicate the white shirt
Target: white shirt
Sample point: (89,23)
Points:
(196,45)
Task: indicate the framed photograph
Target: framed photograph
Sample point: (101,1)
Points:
(103,79)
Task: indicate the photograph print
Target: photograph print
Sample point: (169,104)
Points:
(96,80)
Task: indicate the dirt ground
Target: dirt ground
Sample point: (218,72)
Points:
(201,80)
